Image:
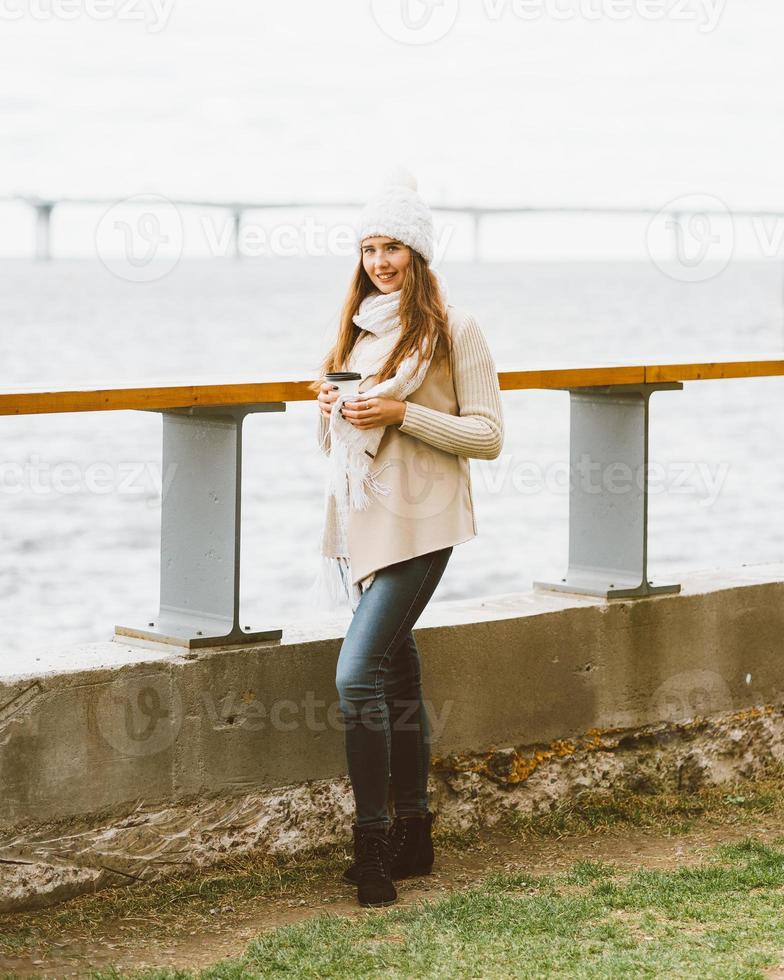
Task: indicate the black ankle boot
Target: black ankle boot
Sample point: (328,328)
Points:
(411,845)
(373,866)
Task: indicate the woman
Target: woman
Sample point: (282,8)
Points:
(398,501)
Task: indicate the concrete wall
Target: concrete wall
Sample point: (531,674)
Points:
(125,723)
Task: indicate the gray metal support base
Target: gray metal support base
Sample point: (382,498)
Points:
(608,493)
(200,530)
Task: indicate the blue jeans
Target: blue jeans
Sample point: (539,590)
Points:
(380,688)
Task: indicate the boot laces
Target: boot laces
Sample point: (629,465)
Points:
(372,857)
(398,833)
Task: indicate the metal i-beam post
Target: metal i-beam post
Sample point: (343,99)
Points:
(237,225)
(43,230)
(200,529)
(608,492)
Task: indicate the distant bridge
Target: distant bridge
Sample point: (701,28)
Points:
(43,208)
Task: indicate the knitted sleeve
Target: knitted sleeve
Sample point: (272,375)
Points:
(478,431)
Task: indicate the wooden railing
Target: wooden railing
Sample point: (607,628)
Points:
(30,400)
(202,447)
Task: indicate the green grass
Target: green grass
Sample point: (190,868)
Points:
(723,919)
(176,906)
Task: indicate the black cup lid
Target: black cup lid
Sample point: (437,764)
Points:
(343,376)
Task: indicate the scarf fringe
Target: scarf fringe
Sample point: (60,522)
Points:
(332,588)
(361,480)
(328,590)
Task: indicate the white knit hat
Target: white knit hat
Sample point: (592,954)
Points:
(397,211)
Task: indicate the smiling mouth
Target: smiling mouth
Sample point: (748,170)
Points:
(385,277)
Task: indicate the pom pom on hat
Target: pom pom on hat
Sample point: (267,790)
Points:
(400,177)
(397,211)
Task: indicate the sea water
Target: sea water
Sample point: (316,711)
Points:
(80,492)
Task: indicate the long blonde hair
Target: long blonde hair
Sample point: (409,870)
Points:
(423,316)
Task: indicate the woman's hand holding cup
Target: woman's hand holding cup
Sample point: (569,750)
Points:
(327,396)
(361,412)
(370,413)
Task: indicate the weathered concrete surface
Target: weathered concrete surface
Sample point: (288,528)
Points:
(130,725)
(56,862)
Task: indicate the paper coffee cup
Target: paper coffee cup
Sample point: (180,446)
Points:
(346,381)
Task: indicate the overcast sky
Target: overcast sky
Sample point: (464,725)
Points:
(631,102)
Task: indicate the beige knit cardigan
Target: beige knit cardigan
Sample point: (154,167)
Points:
(454,415)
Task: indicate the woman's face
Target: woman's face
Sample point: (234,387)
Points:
(385,260)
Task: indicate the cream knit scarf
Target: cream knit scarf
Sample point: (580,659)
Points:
(349,475)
